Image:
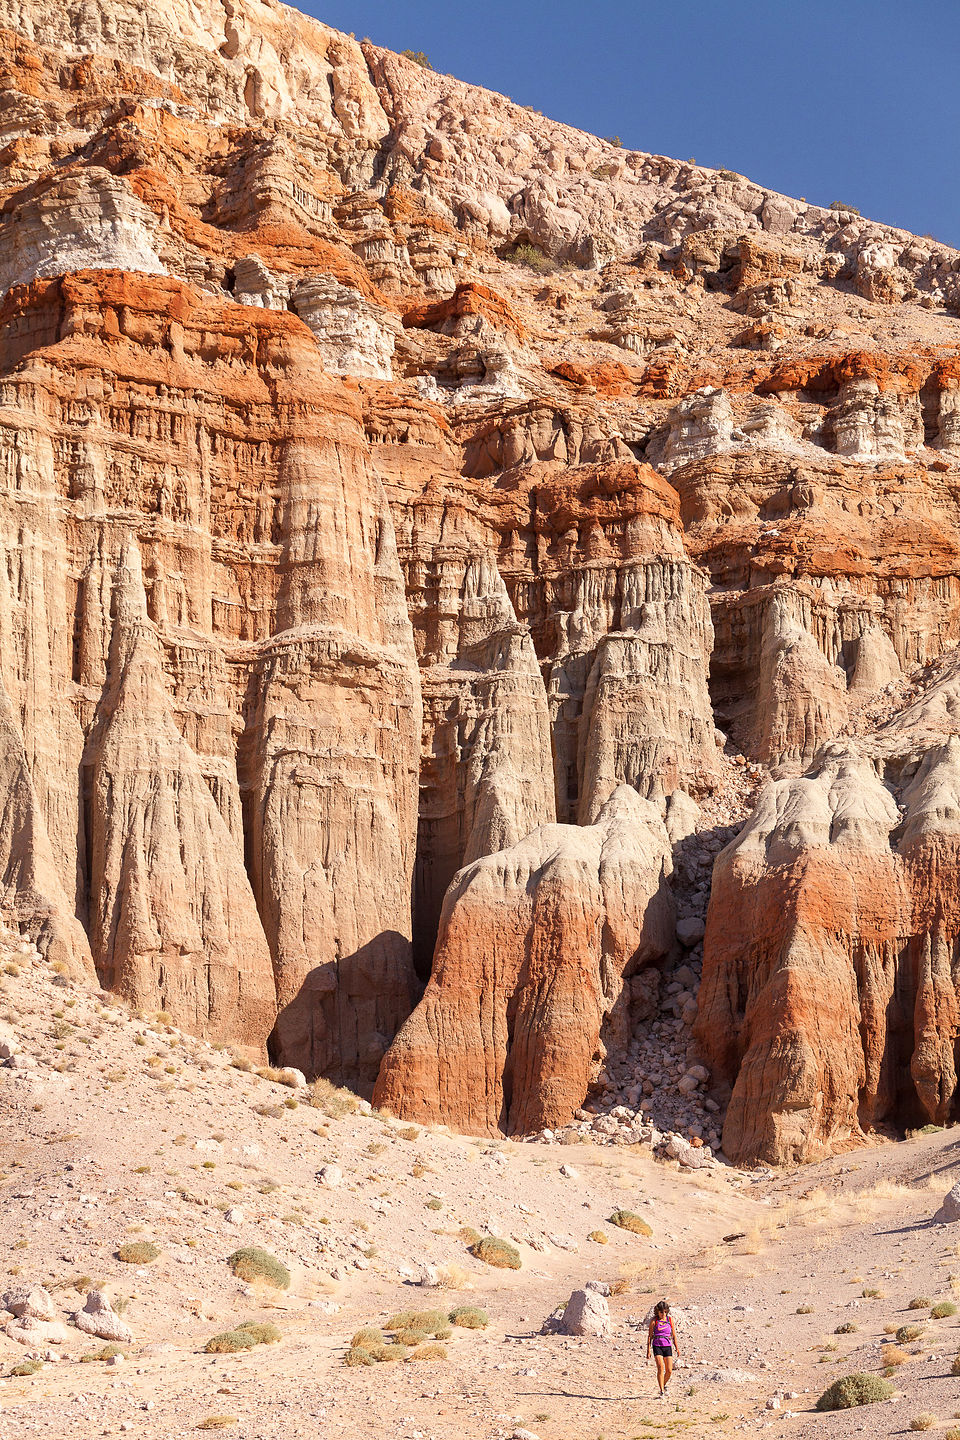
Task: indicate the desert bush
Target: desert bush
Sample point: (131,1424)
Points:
(419,1322)
(106,1352)
(418,58)
(847,1328)
(454,1277)
(499,1253)
(955,1367)
(856,1389)
(919,1302)
(892,1356)
(532,258)
(428,1352)
(138,1252)
(923,1421)
(598,1237)
(840,205)
(252,1263)
(229,1342)
(906,1334)
(953,1433)
(434,1204)
(359,1355)
(469,1236)
(367,1336)
(218,1422)
(262,1331)
(804,1309)
(27,1367)
(871,1293)
(331,1099)
(943,1310)
(627,1220)
(469,1317)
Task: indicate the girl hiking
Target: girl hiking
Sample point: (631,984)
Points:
(662,1339)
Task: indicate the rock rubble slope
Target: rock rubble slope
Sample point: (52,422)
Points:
(476,468)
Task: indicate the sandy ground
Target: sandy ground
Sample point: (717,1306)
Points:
(115,1128)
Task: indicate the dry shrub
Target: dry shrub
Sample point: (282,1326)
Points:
(892,1356)
(229,1342)
(218,1422)
(906,1334)
(496,1252)
(419,1323)
(454,1277)
(251,1263)
(919,1302)
(428,1352)
(923,1421)
(334,1101)
(851,1390)
(262,1331)
(598,1237)
(138,1252)
(359,1355)
(367,1336)
(106,1352)
(943,1310)
(627,1220)
(469,1317)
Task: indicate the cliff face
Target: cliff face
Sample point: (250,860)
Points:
(423,527)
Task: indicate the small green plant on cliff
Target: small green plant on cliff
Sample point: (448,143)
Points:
(418,58)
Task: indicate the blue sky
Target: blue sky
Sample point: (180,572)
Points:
(852,100)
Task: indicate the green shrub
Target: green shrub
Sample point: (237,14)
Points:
(627,1220)
(532,258)
(908,1333)
(499,1253)
(943,1310)
(252,1263)
(138,1252)
(229,1342)
(851,1390)
(418,58)
(262,1331)
(839,205)
(470,1317)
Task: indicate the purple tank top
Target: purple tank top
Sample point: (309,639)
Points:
(662,1332)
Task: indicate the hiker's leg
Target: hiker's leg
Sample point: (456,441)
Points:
(668,1368)
(659,1359)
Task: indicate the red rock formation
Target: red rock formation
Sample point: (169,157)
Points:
(534,945)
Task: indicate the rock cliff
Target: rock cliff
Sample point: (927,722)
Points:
(428,534)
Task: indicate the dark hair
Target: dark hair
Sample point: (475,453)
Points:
(661,1308)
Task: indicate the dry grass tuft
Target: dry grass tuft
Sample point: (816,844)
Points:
(331,1099)
(627,1220)
(428,1352)
(469,1317)
(892,1356)
(138,1252)
(218,1422)
(923,1421)
(598,1237)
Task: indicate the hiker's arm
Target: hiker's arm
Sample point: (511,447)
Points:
(649,1338)
(673,1330)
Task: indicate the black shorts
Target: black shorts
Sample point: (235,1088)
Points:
(663,1349)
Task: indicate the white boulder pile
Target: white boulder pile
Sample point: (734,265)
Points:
(34,1320)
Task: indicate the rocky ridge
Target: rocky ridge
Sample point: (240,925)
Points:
(393,479)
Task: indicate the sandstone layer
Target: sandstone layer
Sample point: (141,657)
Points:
(476,468)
